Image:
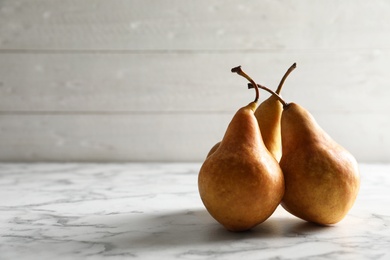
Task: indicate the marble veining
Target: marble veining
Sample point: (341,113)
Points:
(153,211)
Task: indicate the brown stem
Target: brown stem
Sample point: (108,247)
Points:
(281,100)
(284,78)
(240,72)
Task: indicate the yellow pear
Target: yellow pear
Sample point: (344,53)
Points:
(321,177)
(241,183)
(268,115)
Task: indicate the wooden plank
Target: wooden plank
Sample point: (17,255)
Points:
(168,137)
(197,25)
(118,80)
(158,83)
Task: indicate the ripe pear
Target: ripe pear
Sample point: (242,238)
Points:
(268,115)
(241,183)
(321,177)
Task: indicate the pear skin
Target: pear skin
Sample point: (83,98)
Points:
(268,115)
(241,184)
(321,177)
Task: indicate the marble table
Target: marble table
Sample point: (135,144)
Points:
(153,211)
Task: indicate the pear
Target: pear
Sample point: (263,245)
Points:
(241,183)
(322,178)
(268,115)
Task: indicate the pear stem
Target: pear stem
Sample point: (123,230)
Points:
(281,100)
(240,72)
(284,78)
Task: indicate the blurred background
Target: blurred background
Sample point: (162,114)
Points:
(143,80)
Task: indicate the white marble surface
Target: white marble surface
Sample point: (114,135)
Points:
(153,211)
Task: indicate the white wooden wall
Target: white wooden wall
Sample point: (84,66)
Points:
(144,80)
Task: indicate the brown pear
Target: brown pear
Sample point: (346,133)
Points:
(268,115)
(321,177)
(241,184)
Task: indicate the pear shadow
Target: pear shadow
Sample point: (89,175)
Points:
(186,227)
(197,227)
(304,228)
